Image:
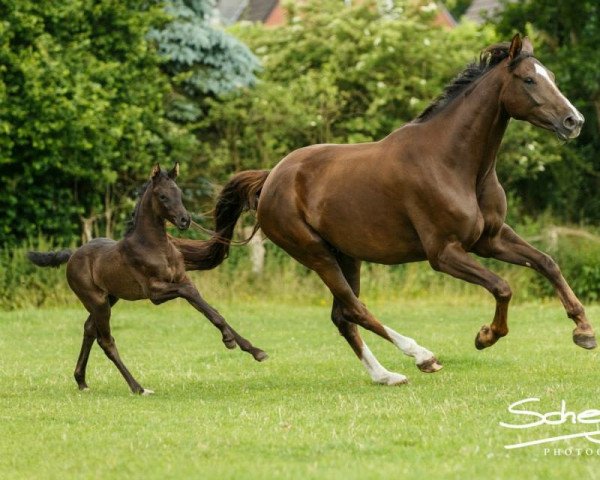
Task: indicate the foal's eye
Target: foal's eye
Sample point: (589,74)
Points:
(163,198)
(529,81)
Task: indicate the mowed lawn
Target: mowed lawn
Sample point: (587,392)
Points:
(309,411)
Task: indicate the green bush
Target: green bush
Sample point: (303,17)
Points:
(577,252)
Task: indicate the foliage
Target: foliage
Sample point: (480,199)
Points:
(332,74)
(576,251)
(566,36)
(200,59)
(457,7)
(350,74)
(81,114)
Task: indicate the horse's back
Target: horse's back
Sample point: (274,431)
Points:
(350,195)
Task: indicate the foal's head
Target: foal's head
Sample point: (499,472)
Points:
(530,93)
(166,197)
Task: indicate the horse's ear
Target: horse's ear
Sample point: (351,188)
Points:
(155,171)
(527,46)
(174,172)
(515,47)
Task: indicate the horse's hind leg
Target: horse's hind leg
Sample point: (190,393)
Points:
(351,270)
(89,335)
(313,252)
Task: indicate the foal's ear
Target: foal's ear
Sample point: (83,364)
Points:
(527,46)
(515,47)
(155,171)
(174,172)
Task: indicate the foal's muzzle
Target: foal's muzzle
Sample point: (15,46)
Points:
(183,222)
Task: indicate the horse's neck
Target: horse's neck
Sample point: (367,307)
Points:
(474,125)
(149,227)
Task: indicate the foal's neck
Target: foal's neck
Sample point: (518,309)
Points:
(149,227)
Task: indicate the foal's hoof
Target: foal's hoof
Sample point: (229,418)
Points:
(145,392)
(230,343)
(430,366)
(260,356)
(584,339)
(485,338)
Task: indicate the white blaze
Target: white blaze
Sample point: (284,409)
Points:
(542,72)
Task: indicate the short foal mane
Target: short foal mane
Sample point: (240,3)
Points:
(488,59)
(130,225)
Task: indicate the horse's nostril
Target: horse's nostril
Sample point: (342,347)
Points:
(571,122)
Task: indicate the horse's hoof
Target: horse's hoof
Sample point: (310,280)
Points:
(145,392)
(230,343)
(430,366)
(485,338)
(260,356)
(392,379)
(584,340)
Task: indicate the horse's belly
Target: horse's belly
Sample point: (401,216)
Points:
(385,245)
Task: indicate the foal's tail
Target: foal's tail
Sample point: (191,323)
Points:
(239,194)
(49,259)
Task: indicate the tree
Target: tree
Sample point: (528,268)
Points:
(200,59)
(81,112)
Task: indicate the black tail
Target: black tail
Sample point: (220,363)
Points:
(49,259)
(239,194)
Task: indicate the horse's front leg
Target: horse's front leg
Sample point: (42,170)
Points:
(451,258)
(509,247)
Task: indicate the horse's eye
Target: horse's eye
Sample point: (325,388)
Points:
(163,198)
(529,81)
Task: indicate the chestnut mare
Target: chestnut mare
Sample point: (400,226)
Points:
(144,264)
(428,191)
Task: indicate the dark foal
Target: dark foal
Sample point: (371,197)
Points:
(143,265)
(428,191)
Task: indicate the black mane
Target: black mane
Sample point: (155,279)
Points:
(488,59)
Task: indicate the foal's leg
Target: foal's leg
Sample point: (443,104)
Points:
(89,335)
(165,291)
(100,313)
(509,247)
(452,259)
(351,270)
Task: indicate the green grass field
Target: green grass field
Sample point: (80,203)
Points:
(310,411)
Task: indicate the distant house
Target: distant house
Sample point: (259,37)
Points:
(271,12)
(479,10)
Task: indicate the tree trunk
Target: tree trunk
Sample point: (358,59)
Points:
(87,225)
(257,250)
(108,213)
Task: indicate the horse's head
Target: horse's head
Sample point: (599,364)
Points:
(166,197)
(530,93)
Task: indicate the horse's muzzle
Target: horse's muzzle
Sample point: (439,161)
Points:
(570,126)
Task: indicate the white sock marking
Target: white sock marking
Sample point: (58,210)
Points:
(377,372)
(409,346)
